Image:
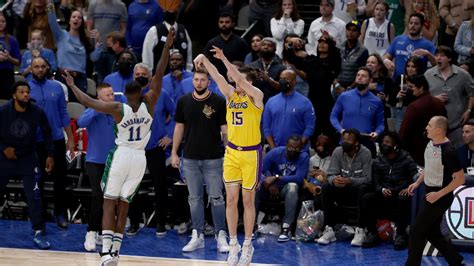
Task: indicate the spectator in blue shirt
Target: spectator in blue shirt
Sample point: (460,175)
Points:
(284,169)
(125,64)
(49,96)
(360,109)
(288,113)
(100,129)
(142,15)
(35,49)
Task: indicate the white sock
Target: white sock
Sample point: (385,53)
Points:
(107,236)
(117,242)
(248,241)
(233,240)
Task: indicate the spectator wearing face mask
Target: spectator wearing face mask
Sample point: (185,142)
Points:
(288,113)
(360,109)
(124,74)
(35,49)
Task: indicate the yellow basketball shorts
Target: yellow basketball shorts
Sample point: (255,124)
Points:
(242,165)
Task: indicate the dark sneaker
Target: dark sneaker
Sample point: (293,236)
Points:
(61,221)
(132,230)
(160,230)
(40,240)
(285,235)
(370,241)
(400,242)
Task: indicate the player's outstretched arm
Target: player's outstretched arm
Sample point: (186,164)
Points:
(112,108)
(156,82)
(226,89)
(255,93)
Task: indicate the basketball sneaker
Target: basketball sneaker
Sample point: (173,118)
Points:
(221,239)
(328,236)
(61,221)
(285,235)
(40,240)
(160,230)
(233,257)
(107,259)
(359,237)
(89,243)
(197,242)
(246,255)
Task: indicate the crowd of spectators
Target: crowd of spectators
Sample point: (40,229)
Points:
(362,70)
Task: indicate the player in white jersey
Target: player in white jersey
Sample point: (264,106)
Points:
(126,162)
(377,32)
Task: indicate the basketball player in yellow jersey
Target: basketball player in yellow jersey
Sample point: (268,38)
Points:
(242,158)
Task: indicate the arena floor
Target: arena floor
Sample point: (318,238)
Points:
(17,248)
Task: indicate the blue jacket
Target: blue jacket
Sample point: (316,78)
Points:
(46,53)
(165,105)
(276,163)
(141,17)
(362,112)
(100,129)
(174,86)
(49,96)
(285,116)
(118,84)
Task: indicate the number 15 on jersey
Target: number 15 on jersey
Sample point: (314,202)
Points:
(237,119)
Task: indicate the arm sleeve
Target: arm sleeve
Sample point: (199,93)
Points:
(301,171)
(336,114)
(47,132)
(410,170)
(361,5)
(58,33)
(380,119)
(189,59)
(123,13)
(52,59)
(86,118)
(267,163)
(267,121)
(299,27)
(335,165)
(278,28)
(95,55)
(460,47)
(310,46)
(309,120)
(377,177)
(150,41)
(62,108)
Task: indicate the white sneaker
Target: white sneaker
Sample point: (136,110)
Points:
(246,256)
(89,243)
(197,242)
(328,236)
(359,237)
(222,245)
(108,260)
(233,257)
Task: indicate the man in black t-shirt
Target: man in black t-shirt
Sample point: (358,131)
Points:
(442,175)
(200,119)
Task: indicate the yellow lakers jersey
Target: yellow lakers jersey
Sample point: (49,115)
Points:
(243,121)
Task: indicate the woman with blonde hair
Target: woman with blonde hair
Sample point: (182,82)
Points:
(429,10)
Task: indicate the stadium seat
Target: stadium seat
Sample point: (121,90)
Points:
(91,87)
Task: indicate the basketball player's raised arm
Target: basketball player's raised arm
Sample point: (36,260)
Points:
(112,108)
(255,93)
(226,89)
(156,82)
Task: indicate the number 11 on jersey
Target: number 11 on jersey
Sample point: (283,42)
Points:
(132,130)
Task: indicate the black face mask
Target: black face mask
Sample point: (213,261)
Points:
(361,87)
(322,153)
(292,155)
(226,31)
(386,149)
(267,55)
(200,92)
(125,69)
(110,50)
(285,86)
(143,81)
(347,147)
(170,17)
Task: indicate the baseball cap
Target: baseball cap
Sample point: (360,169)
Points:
(353,23)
